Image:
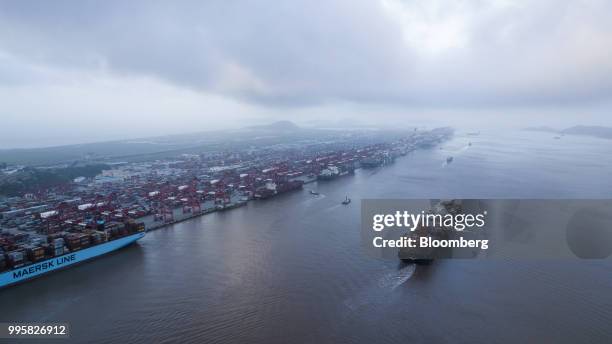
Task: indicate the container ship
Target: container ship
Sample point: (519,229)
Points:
(26,261)
(380,159)
(425,255)
(272,189)
(332,172)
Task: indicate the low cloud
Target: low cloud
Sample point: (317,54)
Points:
(294,55)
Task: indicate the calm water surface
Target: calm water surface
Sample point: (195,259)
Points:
(290,269)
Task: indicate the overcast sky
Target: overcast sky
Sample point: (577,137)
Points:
(82,71)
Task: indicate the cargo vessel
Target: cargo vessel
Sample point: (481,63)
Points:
(333,172)
(272,189)
(21,272)
(426,255)
(378,160)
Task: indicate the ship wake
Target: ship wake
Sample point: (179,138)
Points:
(379,290)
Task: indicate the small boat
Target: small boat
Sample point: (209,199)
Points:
(449,159)
(312,192)
(346,201)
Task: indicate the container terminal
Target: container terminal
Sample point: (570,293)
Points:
(56,227)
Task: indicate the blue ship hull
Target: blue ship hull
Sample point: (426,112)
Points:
(30,271)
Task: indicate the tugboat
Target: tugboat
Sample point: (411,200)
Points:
(312,192)
(346,201)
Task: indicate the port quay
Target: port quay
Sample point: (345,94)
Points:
(60,226)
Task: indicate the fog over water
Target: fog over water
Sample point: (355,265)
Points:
(291,269)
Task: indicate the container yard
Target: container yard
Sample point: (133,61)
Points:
(131,198)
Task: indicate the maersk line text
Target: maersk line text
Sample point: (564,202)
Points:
(44,266)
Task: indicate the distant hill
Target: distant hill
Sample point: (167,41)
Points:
(583,130)
(153,147)
(594,131)
(160,147)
